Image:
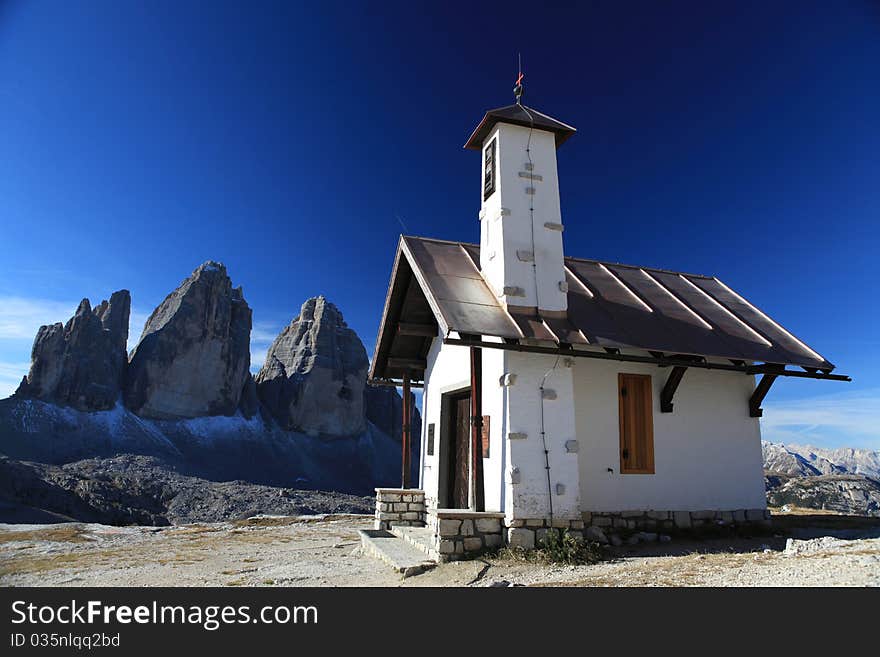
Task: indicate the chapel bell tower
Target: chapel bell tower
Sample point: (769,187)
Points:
(521,255)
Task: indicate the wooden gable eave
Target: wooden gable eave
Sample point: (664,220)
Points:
(411,319)
(429,295)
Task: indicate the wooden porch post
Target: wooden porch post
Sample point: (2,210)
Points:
(405,432)
(476,470)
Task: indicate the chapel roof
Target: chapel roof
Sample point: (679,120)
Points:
(518,114)
(436,289)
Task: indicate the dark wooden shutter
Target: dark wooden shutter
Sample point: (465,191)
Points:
(489,171)
(636,424)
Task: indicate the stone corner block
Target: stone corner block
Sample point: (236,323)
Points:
(682,519)
(488,525)
(473,544)
(521,537)
(449,527)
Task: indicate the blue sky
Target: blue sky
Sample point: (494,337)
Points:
(290,141)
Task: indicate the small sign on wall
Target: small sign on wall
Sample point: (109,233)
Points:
(431,439)
(485,436)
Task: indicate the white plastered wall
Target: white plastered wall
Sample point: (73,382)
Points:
(707,453)
(448,370)
(526,484)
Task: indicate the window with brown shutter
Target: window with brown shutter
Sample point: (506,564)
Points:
(489,171)
(636,424)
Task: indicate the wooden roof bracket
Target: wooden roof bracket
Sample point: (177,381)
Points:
(669,389)
(761,391)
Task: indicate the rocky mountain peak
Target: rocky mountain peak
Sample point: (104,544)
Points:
(315,372)
(211,266)
(81,363)
(193,358)
(114,315)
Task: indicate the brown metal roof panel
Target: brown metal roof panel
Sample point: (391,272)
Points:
(659,298)
(673,325)
(627,298)
(473,252)
(634,322)
(465,290)
(797,352)
(477,319)
(609,289)
(586,312)
(747,342)
(565,331)
(439,258)
(531,327)
(463,297)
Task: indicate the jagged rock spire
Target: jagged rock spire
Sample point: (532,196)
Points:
(81,363)
(314,375)
(193,358)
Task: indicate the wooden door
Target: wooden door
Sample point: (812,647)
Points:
(459,452)
(636,424)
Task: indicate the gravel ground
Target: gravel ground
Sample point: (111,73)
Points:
(324,551)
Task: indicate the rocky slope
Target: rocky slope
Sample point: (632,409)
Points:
(844,480)
(847,493)
(142,490)
(186,396)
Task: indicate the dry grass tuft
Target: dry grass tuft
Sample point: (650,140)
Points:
(71,560)
(56,533)
(267,521)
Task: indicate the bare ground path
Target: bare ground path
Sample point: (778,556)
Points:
(324,551)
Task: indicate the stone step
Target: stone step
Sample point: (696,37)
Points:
(401,555)
(421,538)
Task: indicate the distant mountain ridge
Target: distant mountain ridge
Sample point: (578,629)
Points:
(806,460)
(843,480)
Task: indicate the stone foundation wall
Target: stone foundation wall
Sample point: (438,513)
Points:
(458,533)
(634,526)
(529,534)
(399,507)
(674,520)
